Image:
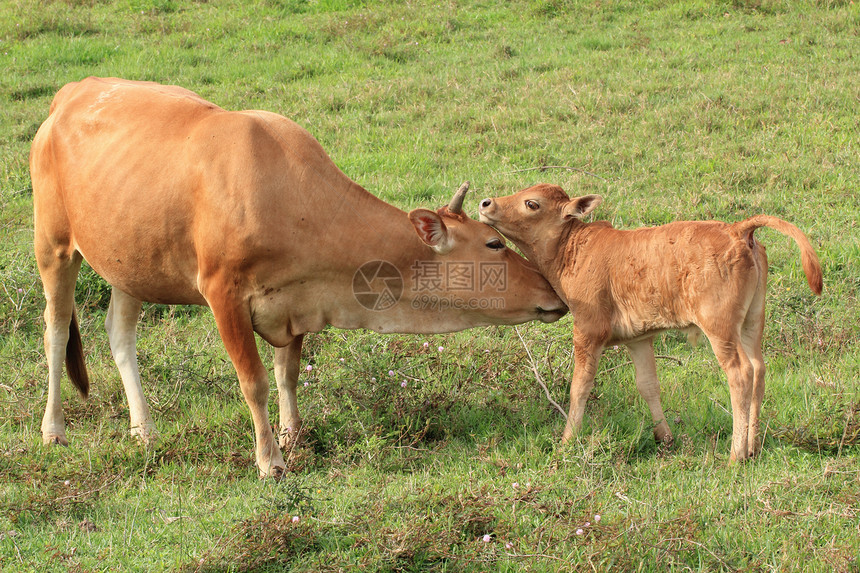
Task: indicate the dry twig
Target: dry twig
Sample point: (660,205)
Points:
(537,374)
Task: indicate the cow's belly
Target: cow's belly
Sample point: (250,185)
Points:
(147,274)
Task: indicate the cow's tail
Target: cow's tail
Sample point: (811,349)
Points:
(75,367)
(808,258)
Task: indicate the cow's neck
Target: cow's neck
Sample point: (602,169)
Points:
(380,232)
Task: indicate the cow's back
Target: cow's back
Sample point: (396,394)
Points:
(112,176)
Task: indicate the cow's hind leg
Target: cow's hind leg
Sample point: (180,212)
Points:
(287,362)
(642,353)
(121,326)
(59,273)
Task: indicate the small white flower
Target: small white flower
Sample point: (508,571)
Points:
(487,538)
(391,373)
(509,545)
(441,348)
(403,384)
(597,518)
(515,485)
(308,368)
(579,531)
(426,345)
(373,379)
(67,483)
(306,382)
(295,519)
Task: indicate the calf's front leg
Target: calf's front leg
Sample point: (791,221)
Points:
(642,354)
(586,354)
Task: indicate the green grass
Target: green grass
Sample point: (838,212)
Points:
(670,110)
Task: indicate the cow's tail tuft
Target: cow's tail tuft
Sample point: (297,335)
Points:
(75,366)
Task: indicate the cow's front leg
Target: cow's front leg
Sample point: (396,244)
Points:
(287,362)
(586,354)
(234,324)
(642,353)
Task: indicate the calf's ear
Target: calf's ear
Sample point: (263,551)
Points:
(432,230)
(579,207)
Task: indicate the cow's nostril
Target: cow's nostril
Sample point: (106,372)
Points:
(486,203)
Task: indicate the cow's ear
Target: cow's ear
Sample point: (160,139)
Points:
(579,207)
(432,230)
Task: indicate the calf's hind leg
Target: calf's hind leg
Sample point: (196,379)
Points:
(751,335)
(739,370)
(121,326)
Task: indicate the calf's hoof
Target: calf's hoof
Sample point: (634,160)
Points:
(754,451)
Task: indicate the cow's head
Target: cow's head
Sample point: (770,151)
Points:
(537,216)
(471,270)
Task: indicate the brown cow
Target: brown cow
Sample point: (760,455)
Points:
(627,286)
(174,200)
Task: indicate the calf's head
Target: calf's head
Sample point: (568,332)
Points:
(485,277)
(538,217)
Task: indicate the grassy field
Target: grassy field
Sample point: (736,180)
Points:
(670,110)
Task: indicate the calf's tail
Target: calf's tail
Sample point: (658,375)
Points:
(808,258)
(75,367)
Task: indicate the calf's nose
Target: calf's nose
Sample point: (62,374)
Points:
(486,203)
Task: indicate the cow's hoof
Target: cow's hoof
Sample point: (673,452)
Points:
(144,434)
(276,472)
(55,439)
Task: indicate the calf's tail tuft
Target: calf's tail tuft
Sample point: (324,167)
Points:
(808,258)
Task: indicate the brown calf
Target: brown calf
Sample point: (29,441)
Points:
(627,286)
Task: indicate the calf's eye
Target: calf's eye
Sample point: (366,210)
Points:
(533,205)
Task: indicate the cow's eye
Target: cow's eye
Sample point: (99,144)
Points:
(533,205)
(496,244)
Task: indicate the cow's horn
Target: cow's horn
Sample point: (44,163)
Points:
(456,204)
